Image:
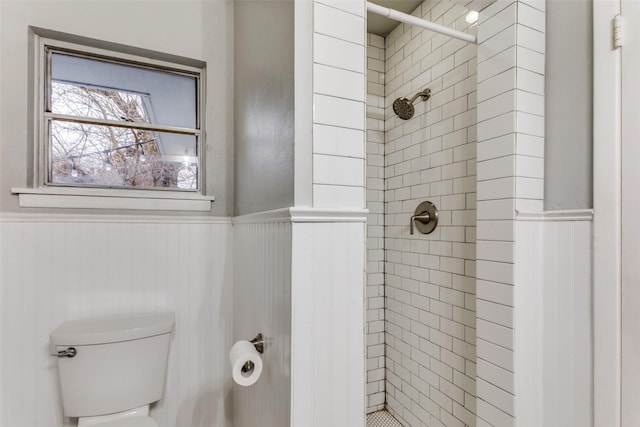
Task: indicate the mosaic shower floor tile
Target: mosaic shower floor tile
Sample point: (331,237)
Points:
(382,419)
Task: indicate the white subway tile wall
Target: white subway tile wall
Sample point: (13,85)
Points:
(510,179)
(375,225)
(339,103)
(430,279)
(497,100)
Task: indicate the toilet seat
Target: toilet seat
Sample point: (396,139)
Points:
(142,421)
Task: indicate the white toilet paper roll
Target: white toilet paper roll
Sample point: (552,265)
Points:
(246,363)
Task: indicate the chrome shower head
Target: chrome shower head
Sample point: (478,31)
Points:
(403,107)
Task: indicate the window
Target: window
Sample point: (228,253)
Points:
(115,121)
(109,122)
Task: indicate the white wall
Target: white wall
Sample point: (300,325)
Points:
(62,267)
(430,279)
(205,33)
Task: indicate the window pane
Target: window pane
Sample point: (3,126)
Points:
(121,157)
(98,103)
(106,90)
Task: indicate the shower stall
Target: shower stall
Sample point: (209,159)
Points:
(421,147)
(470,324)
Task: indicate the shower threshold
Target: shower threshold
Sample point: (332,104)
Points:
(382,419)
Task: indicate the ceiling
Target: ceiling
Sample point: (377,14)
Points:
(381,25)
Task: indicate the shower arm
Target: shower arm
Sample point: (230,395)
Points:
(425,94)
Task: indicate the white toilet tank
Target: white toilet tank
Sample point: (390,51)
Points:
(120,362)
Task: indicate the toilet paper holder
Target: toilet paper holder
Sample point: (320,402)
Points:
(258,343)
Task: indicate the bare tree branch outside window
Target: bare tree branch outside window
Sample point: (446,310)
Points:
(115,156)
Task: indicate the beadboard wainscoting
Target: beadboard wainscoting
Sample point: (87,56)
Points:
(262,303)
(62,267)
(299,279)
(553,257)
(327,356)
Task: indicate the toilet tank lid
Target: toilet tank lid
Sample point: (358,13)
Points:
(112,329)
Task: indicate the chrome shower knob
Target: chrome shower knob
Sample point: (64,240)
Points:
(425,218)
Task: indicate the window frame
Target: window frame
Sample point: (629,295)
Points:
(47,40)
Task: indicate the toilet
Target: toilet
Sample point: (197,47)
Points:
(111,369)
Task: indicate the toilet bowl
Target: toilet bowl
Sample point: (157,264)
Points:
(111,369)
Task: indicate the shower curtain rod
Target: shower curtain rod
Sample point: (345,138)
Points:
(410,19)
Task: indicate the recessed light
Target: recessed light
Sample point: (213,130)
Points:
(472,16)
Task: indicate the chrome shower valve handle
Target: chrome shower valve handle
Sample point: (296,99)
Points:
(422,218)
(425,218)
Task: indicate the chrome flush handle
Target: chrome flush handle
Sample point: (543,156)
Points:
(68,352)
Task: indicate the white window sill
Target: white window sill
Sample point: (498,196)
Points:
(89,198)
